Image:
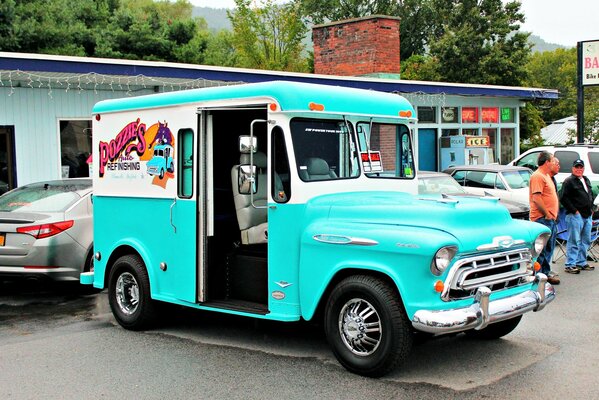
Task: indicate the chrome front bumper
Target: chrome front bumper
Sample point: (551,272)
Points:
(483,311)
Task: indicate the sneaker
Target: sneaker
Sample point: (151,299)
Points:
(554,280)
(572,270)
(585,267)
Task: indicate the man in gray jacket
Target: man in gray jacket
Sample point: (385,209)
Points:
(577,198)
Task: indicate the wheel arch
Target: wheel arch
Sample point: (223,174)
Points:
(318,312)
(122,250)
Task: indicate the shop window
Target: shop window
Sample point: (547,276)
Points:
(427,114)
(469,115)
(507,114)
(450,132)
(470,132)
(75,147)
(449,115)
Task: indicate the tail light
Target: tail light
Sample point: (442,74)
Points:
(46,230)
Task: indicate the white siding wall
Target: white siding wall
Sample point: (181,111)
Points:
(35,115)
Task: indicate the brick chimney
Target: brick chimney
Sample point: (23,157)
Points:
(359,46)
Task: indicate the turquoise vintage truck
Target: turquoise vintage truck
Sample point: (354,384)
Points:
(292,201)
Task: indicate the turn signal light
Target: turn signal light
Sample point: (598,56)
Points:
(537,266)
(439,286)
(46,230)
(315,106)
(272,106)
(405,114)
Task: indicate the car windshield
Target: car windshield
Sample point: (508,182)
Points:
(42,197)
(439,184)
(324,149)
(517,179)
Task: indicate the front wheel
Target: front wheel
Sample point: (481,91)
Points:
(129,294)
(496,330)
(366,326)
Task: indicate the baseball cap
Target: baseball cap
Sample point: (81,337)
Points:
(578,162)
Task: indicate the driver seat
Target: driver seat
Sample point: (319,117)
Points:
(252,221)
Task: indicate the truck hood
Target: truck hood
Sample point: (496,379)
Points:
(472,221)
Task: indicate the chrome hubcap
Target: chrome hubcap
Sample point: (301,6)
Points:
(360,327)
(127,293)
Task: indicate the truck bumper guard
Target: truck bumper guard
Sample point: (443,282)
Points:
(484,311)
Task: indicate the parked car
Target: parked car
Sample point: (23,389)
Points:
(504,181)
(46,230)
(442,183)
(566,154)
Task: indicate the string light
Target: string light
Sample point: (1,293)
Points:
(95,81)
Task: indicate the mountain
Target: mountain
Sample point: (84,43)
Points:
(215,17)
(539,45)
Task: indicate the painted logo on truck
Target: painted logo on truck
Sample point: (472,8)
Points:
(138,151)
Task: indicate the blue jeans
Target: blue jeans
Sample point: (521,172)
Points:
(579,239)
(545,257)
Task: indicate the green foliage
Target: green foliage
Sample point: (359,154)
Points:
(268,37)
(530,125)
(555,70)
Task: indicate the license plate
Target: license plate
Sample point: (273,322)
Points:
(2,238)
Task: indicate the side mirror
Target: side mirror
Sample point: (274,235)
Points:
(246,181)
(247,144)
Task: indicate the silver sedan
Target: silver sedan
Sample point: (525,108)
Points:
(46,230)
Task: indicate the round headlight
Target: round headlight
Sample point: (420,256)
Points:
(442,259)
(539,244)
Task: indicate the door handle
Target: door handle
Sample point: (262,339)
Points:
(173,205)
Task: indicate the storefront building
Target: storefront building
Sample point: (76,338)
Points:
(46,102)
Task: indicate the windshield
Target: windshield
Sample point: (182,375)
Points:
(385,150)
(42,197)
(324,149)
(517,179)
(438,185)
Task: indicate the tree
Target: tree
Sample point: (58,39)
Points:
(555,70)
(479,42)
(268,37)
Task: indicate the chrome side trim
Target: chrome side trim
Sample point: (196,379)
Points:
(340,239)
(483,311)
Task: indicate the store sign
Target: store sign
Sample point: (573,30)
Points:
(590,63)
(477,141)
(469,114)
(507,115)
(449,114)
(490,114)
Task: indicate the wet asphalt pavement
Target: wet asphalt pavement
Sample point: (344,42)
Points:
(60,341)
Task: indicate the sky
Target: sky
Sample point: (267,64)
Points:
(555,21)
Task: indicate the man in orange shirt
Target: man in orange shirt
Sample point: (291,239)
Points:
(544,206)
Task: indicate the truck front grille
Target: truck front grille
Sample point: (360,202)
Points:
(496,271)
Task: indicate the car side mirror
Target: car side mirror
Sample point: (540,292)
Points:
(247,144)
(246,179)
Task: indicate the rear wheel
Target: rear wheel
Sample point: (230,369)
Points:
(366,326)
(496,330)
(129,294)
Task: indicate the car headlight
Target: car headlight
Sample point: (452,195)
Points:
(539,244)
(442,259)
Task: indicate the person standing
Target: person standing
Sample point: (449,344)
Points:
(577,198)
(544,206)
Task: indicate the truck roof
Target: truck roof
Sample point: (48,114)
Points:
(291,96)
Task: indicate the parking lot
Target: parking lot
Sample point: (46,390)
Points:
(63,342)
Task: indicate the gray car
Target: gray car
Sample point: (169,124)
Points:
(46,230)
(442,183)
